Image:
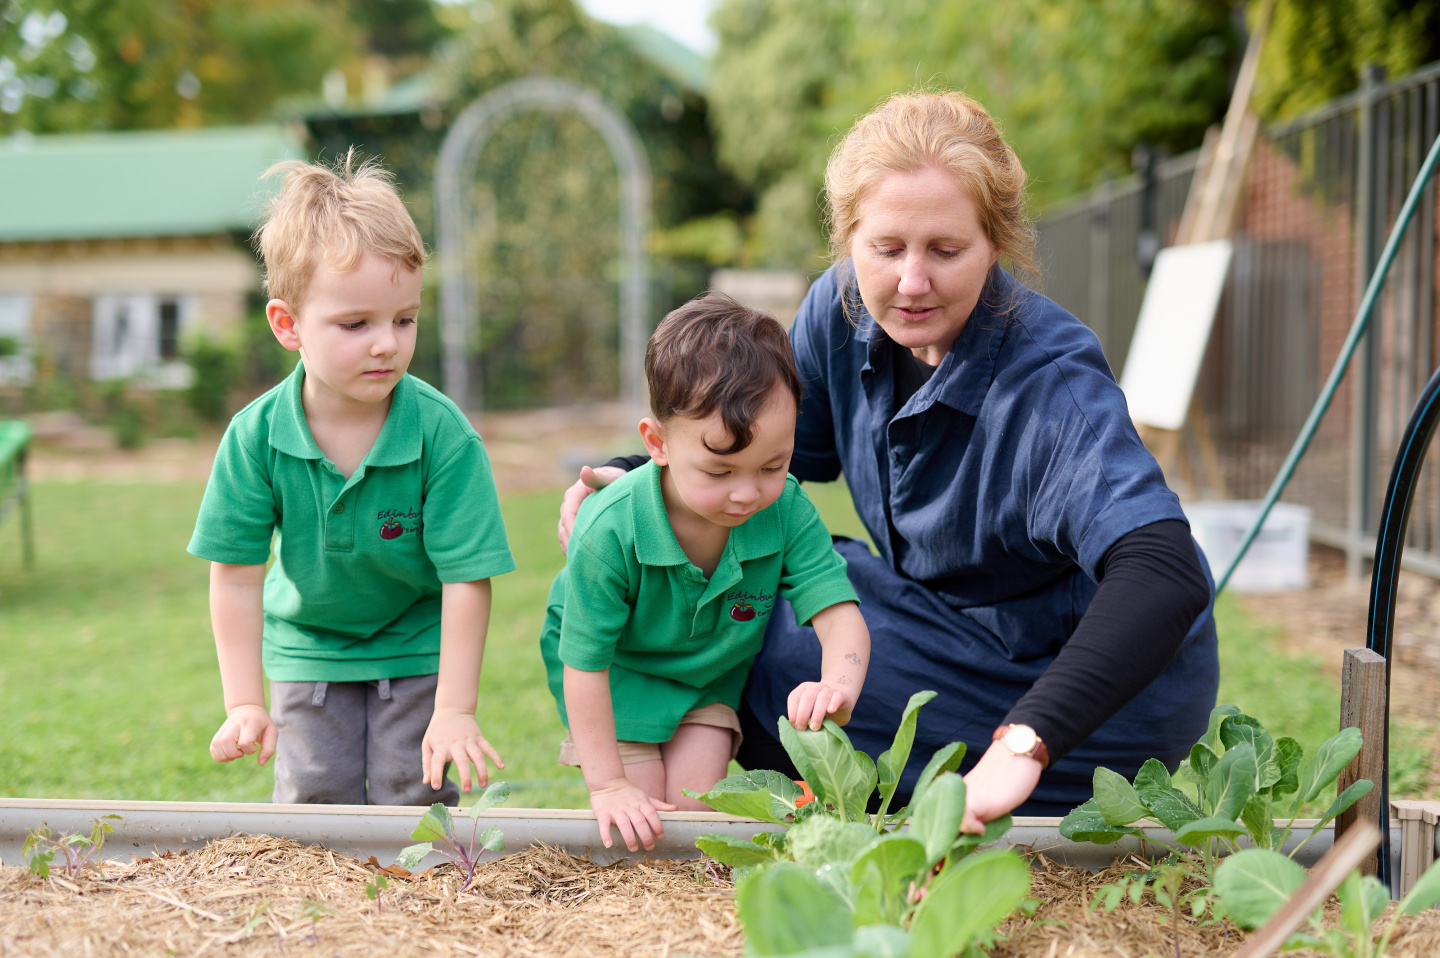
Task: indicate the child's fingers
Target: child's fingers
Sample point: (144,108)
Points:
(437,768)
(792,706)
(603,820)
(627,832)
(652,819)
(426,750)
(268,740)
(639,822)
(818,710)
(222,746)
(490,751)
(482,771)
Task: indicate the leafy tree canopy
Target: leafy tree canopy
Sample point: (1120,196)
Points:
(69,65)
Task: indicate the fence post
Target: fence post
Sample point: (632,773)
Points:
(1369,208)
(1363,706)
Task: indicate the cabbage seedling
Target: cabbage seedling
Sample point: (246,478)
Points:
(80,851)
(437,825)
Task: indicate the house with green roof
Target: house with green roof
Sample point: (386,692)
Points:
(116,246)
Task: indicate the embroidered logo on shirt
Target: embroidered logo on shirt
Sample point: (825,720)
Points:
(744,608)
(396,522)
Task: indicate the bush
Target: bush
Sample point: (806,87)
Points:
(216,369)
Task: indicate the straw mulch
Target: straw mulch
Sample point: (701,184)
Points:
(247,895)
(1064,926)
(254,895)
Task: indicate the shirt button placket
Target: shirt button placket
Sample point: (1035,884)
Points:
(340,528)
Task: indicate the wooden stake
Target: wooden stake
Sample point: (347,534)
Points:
(1362,705)
(1358,844)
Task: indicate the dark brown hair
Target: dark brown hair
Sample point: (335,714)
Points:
(712,353)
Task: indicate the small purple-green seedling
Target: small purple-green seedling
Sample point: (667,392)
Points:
(80,851)
(436,825)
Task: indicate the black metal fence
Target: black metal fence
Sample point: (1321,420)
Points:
(1321,196)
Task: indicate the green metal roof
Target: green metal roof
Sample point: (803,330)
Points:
(141,183)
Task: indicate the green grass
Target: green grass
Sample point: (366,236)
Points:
(110,688)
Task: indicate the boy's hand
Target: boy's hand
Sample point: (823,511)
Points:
(811,703)
(454,735)
(246,729)
(628,808)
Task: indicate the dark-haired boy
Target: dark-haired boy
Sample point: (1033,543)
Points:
(674,568)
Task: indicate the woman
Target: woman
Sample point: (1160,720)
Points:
(1033,567)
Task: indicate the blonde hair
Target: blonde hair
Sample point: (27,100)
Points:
(338,213)
(950,131)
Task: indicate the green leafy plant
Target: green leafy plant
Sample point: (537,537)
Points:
(841,878)
(78,851)
(315,910)
(9,346)
(1255,883)
(1245,782)
(375,887)
(437,825)
(1166,883)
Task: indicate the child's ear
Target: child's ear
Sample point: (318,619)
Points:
(282,323)
(653,435)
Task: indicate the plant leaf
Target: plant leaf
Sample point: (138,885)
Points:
(859,797)
(827,762)
(492,839)
(1086,824)
(786,909)
(881,941)
(966,900)
(827,840)
(1212,741)
(493,795)
(1197,832)
(1197,768)
(732,850)
(761,794)
(1289,755)
(1424,894)
(935,819)
(1116,799)
(883,874)
(946,759)
(891,763)
(1258,821)
(1254,883)
(1232,782)
(1356,791)
(1244,730)
(995,829)
(1321,769)
(411,857)
(1169,805)
(436,825)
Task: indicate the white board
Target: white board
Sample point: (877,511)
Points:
(1173,331)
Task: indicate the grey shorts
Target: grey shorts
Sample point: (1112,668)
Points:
(354,743)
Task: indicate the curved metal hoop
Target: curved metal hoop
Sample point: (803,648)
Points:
(459,153)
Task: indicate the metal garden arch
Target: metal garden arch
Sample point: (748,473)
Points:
(459,297)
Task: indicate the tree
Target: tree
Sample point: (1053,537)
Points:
(1076,84)
(1317,48)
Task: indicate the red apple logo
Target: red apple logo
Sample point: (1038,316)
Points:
(391,529)
(740,611)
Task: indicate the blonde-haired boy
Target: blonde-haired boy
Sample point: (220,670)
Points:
(378,495)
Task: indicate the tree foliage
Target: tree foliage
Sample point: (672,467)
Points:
(114,64)
(1076,85)
(1317,48)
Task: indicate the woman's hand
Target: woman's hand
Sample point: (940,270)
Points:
(627,807)
(811,703)
(1000,782)
(590,480)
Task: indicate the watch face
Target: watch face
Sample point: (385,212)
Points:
(1020,739)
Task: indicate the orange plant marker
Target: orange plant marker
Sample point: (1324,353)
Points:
(805,799)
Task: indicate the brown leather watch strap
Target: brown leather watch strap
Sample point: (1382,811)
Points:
(1039,751)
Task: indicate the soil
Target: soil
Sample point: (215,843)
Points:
(1330,617)
(529,450)
(256,895)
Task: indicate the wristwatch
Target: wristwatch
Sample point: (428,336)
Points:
(1022,740)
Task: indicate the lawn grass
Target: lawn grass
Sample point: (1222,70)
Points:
(110,688)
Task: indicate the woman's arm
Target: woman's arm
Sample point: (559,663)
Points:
(1152,589)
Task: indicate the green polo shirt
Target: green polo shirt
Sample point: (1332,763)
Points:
(629,600)
(354,594)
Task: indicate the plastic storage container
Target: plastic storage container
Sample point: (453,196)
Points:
(1278,559)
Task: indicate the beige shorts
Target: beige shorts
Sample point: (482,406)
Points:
(633,753)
